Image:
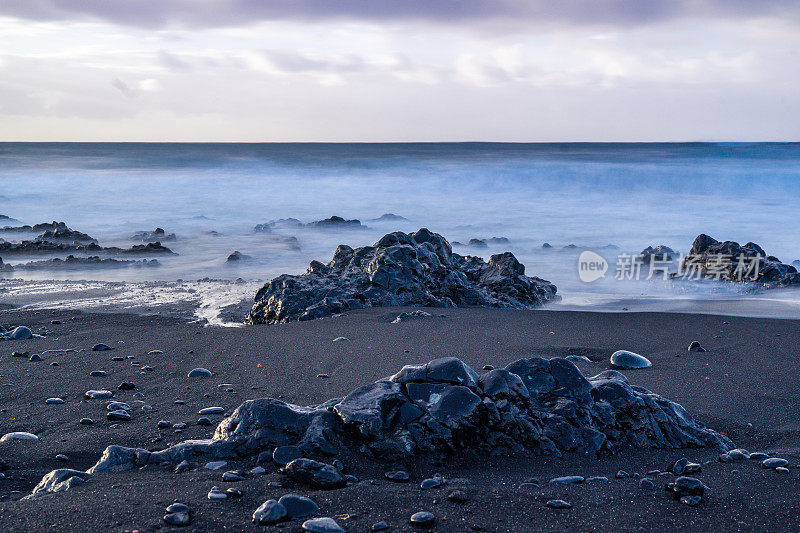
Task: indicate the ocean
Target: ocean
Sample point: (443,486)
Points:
(609,198)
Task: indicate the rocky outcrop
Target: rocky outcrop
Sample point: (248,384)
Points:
(39,247)
(157,235)
(400,269)
(72,262)
(334,222)
(660,253)
(444,408)
(730,261)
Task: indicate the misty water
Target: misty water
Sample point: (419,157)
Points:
(610,198)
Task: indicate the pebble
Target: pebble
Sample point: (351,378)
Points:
(35,358)
(270,512)
(116,406)
(380,526)
(568,479)
(101,347)
(164,424)
(179,402)
(234,493)
(684,466)
(628,360)
(54,363)
(98,394)
(488,367)
(117,358)
(232,475)
(20,333)
(216,494)
(758,456)
(423,518)
(178,508)
(646,484)
(211,411)
(18,435)
(622,474)
(781,470)
(120,415)
(54,401)
(257,471)
(126,385)
(283,455)
(180,425)
(323,376)
(180,518)
(458,496)
(97,373)
(61,457)
(692,501)
(687,486)
(216,465)
(558,504)
(86,421)
(322,525)
(431,483)
(774,462)
(20,354)
(597,478)
(739,454)
(298,506)
(398,476)
(203,421)
(339,339)
(200,373)
(155,352)
(696,347)
(183,466)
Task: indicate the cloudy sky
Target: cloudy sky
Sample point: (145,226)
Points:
(413,70)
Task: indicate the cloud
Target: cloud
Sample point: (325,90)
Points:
(217,13)
(132,91)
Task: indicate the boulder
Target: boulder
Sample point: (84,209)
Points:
(59,480)
(400,269)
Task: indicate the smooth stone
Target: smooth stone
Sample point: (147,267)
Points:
(155,352)
(234,493)
(61,457)
(423,518)
(283,455)
(100,347)
(164,424)
(180,518)
(178,508)
(98,394)
(18,435)
(180,425)
(568,479)
(270,512)
(684,466)
(597,478)
(317,474)
(20,354)
(558,504)
(117,406)
(121,415)
(781,469)
(688,486)
(758,455)
(211,411)
(216,494)
(200,373)
(258,471)
(216,465)
(35,358)
(380,526)
(322,525)
(232,476)
(774,462)
(458,496)
(97,373)
(203,421)
(646,484)
(298,506)
(339,339)
(54,401)
(20,333)
(398,476)
(183,466)
(739,454)
(179,402)
(628,360)
(86,421)
(431,483)
(117,358)
(622,475)
(696,347)
(692,501)
(126,385)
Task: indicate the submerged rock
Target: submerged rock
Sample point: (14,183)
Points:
(661,254)
(444,408)
(627,360)
(156,235)
(400,269)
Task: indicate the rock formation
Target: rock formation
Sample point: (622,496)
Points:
(444,408)
(400,269)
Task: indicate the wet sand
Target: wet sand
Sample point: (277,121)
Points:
(744,386)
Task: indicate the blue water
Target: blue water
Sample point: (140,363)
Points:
(592,195)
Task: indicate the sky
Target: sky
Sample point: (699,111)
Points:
(413,70)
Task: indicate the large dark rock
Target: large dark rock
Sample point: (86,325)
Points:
(444,408)
(72,262)
(730,261)
(400,269)
(660,253)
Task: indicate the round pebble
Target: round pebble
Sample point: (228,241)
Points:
(200,373)
(398,476)
(558,504)
(18,435)
(54,401)
(628,360)
(100,347)
(423,518)
(774,462)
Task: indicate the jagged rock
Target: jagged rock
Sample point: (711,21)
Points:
(730,261)
(658,253)
(236,256)
(59,480)
(5,267)
(400,269)
(533,406)
(318,475)
(157,235)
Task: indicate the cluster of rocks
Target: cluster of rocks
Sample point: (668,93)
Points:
(484,243)
(38,247)
(443,408)
(418,268)
(334,222)
(660,253)
(157,235)
(93,261)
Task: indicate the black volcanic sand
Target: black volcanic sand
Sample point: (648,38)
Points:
(745,386)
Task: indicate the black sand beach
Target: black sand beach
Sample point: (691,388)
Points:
(744,386)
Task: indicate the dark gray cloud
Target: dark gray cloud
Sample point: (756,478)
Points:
(210,13)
